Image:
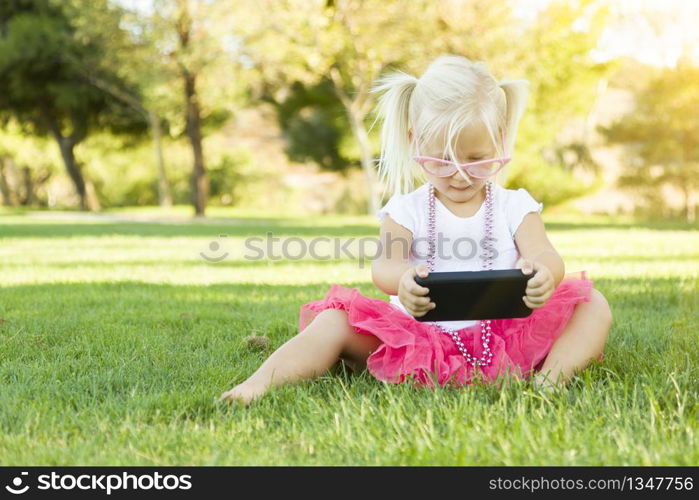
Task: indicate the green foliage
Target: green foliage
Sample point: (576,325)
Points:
(554,57)
(661,135)
(28,166)
(41,85)
(549,184)
(227,179)
(126,175)
(314,61)
(553,178)
(349,202)
(44,87)
(122,174)
(313,119)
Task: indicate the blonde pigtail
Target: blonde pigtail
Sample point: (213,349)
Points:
(516,94)
(395,162)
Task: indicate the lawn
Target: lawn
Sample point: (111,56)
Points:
(117,337)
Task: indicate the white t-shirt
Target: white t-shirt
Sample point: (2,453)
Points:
(462,236)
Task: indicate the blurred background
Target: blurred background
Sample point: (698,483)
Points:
(198,106)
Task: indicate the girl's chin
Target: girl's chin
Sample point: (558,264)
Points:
(462,194)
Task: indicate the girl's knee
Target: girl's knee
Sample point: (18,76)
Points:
(335,325)
(338,315)
(331,323)
(602,309)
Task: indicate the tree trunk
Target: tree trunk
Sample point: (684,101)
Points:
(28,198)
(164,196)
(359,130)
(66,145)
(357,108)
(7,198)
(200,182)
(93,203)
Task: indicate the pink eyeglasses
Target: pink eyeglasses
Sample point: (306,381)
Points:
(481,169)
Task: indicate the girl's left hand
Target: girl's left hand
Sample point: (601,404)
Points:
(540,287)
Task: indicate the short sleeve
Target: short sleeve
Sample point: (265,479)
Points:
(400,211)
(519,204)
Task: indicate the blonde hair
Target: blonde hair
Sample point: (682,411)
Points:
(453,93)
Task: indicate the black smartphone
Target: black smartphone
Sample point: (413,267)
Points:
(474,295)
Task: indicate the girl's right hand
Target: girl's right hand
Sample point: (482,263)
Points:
(413,296)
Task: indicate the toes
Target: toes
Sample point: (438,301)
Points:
(229,397)
(544,386)
(233,397)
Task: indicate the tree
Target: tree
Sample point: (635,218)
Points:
(128,54)
(352,42)
(190,45)
(44,91)
(553,53)
(662,137)
(26,165)
(313,119)
(347,42)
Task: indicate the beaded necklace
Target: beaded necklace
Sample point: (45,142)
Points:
(487,356)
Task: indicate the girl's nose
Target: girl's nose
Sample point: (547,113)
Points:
(465,176)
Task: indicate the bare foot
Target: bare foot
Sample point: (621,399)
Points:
(543,384)
(245,393)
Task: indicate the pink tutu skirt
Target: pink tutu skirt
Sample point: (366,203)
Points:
(423,353)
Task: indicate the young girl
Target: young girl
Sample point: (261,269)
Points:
(454,127)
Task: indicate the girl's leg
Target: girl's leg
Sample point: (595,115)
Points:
(310,353)
(581,341)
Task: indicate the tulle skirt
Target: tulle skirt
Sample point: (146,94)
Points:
(423,354)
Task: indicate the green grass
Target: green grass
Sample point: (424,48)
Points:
(117,337)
